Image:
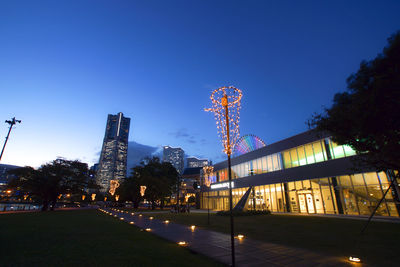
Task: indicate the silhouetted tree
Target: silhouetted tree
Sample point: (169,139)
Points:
(52,179)
(160,179)
(367,116)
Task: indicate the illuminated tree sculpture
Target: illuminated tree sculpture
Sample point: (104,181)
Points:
(114,184)
(226,108)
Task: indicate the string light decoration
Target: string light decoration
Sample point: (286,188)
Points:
(114,184)
(142,190)
(226,107)
(207,170)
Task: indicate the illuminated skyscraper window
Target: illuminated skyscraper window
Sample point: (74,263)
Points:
(112,165)
(193,162)
(174,155)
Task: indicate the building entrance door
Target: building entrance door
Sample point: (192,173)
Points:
(306,203)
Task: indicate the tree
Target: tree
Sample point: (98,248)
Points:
(52,179)
(367,116)
(129,190)
(160,179)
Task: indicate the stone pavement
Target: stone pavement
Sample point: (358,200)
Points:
(218,245)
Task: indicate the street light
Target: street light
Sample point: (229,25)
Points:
(226,108)
(12,122)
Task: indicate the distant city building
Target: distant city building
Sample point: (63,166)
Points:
(112,165)
(193,162)
(174,155)
(5,177)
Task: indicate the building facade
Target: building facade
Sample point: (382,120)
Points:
(193,162)
(112,164)
(307,173)
(175,156)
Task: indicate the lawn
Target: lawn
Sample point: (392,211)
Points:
(85,238)
(333,236)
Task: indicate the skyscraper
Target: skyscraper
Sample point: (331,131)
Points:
(174,155)
(112,165)
(193,162)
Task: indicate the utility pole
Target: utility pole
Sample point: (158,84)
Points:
(12,122)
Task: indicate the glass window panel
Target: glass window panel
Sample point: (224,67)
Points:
(337,150)
(348,151)
(309,154)
(293,155)
(264,164)
(371,178)
(302,155)
(270,165)
(275,162)
(361,194)
(287,163)
(318,151)
(319,206)
(383,178)
(259,166)
(327,196)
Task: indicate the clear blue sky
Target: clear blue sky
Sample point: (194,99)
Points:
(65,65)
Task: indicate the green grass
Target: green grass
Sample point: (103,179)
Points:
(332,236)
(85,238)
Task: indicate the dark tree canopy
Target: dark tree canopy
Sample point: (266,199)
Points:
(160,179)
(52,179)
(367,116)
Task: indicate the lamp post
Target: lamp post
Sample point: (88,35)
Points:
(208,170)
(226,107)
(12,122)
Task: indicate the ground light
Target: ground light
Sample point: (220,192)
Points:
(354,259)
(193,227)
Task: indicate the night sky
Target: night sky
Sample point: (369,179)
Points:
(65,65)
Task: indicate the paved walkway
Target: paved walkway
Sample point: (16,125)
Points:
(218,245)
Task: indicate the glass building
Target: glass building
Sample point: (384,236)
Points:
(174,155)
(307,173)
(112,165)
(193,162)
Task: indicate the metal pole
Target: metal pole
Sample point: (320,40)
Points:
(208,206)
(12,123)
(230,181)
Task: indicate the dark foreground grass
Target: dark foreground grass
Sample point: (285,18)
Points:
(332,236)
(85,238)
